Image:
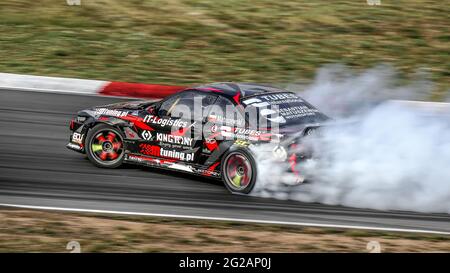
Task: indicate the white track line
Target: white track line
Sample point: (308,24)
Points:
(224,219)
(74,93)
(48,90)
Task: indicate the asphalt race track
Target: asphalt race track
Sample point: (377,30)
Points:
(37,170)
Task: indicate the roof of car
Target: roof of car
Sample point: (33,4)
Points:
(237,91)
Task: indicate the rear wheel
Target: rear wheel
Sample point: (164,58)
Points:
(239,171)
(105,146)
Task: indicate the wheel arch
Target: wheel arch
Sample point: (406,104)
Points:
(117,125)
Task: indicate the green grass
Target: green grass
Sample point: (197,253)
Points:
(193,41)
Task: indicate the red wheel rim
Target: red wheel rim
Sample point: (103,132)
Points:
(107,146)
(238,171)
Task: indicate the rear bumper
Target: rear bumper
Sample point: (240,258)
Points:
(75,147)
(77,136)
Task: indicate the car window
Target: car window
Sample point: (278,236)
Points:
(166,106)
(225,112)
(188,105)
(281,108)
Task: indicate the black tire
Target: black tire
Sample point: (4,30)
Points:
(114,157)
(232,163)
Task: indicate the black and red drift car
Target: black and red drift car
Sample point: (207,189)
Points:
(215,130)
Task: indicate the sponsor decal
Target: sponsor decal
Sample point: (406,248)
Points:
(148,160)
(211,171)
(135,158)
(75,146)
(280,96)
(109,112)
(77,138)
(224,120)
(161,162)
(242,143)
(206,172)
(240,133)
(177,155)
(153,150)
(181,140)
(164,121)
(288,106)
(273,99)
(146,135)
(211,145)
(297,112)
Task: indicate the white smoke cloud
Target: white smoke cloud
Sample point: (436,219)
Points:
(339,92)
(389,157)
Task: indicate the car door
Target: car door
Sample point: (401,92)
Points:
(219,125)
(179,132)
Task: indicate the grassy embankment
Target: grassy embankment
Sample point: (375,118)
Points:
(44,231)
(187,41)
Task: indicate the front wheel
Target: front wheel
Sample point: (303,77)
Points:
(239,171)
(105,146)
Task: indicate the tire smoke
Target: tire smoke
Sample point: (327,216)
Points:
(378,153)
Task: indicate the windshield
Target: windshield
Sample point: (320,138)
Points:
(282,108)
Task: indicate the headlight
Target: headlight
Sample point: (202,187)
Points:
(279,153)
